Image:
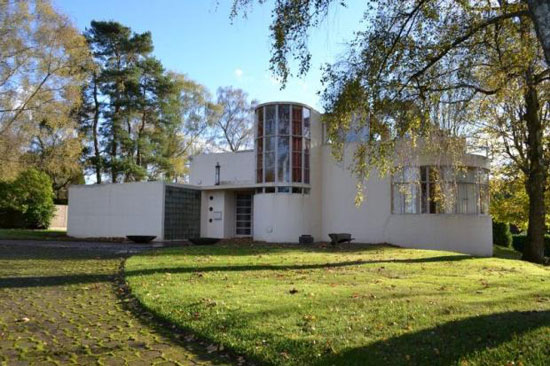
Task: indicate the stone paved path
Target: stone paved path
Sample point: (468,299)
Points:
(60,304)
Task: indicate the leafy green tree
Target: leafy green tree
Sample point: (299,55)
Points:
(415,57)
(42,63)
(27,201)
(55,150)
(234,128)
(123,113)
(193,114)
(509,199)
(117,52)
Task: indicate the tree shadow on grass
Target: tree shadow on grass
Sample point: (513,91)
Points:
(452,342)
(267,267)
(48,281)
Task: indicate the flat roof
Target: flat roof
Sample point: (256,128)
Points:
(287,102)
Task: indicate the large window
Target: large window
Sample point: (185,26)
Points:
(440,190)
(405,191)
(283,141)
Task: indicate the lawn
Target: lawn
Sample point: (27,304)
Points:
(373,305)
(26,234)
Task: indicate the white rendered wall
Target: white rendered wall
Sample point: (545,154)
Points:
(373,222)
(470,234)
(235,168)
(366,222)
(116,210)
(281,217)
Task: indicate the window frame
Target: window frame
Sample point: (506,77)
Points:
(480,182)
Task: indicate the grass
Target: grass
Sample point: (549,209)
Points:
(63,306)
(27,234)
(376,305)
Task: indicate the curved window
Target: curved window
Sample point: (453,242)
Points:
(283,140)
(440,190)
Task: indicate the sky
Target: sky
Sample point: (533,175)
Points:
(197,38)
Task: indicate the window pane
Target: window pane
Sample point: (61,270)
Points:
(424,173)
(270,120)
(297,120)
(260,119)
(307,145)
(297,144)
(449,197)
(284,119)
(259,161)
(297,175)
(424,199)
(283,189)
(466,198)
(270,167)
(466,176)
(448,173)
(283,160)
(270,144)
(433,200)
(307,129)
(306,176)
(483,199)
(411,174)
(483,176)
(405,198)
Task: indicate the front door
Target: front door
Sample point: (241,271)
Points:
(243,216)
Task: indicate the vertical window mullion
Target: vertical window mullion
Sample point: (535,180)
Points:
(276,137)
(264,145)
(303,145)
(290,147)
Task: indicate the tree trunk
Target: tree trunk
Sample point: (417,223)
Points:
(540,12)
(536,179)
(98,165)
(114,170)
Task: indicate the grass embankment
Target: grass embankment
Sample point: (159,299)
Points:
(357,306)
(26,234)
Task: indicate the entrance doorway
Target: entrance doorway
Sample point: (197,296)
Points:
(243,215)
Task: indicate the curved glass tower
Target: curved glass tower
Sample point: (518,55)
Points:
(282,145)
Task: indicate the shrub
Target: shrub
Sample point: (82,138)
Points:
(519,242)
(501,234)
(27,202)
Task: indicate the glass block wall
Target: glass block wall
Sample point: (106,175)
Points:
(182,213)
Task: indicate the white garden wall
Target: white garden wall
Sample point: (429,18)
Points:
(116,210)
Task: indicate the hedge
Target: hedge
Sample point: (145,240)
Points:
(501,234)
(27,201)
(519,241)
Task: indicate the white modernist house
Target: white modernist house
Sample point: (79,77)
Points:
(290,185)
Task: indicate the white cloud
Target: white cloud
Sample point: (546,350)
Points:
(238,73)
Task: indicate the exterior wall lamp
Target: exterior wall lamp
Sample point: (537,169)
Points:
(217,176)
